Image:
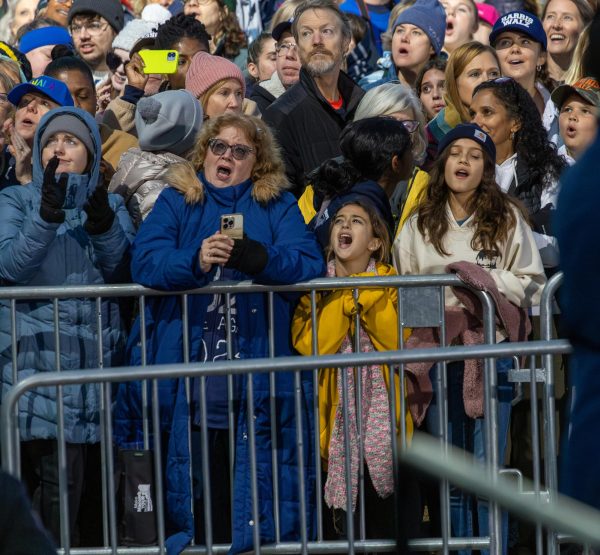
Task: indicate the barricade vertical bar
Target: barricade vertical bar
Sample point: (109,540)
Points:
(253,470)
(490,387)
(105,440)
(63,484)
(347,461)
(160,517)
(535,445)
(143,357)
(442,381)
(393,416)
(273,413)
(185,328)
(206,487)
(15,373)
(300,455)
(551,475)
(231,408)
(317,440)
(358,395)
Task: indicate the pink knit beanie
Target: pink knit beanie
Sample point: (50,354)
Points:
(206,70)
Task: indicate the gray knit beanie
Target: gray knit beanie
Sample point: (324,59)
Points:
(170,120)
(69,123)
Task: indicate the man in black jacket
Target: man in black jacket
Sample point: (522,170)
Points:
(308,118)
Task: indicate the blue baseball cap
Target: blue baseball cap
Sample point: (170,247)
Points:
(522,22)
(469,131)
(53,88)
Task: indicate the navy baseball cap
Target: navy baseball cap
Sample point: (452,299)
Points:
(469,131)
(522,22)
(281,28)
(53,88)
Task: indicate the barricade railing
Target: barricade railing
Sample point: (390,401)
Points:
(420,304)
(247,367)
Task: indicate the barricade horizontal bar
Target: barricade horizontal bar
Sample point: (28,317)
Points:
(445,462)
(292,548)
(221,287)
(287,364)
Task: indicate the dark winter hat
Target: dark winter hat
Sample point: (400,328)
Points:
(428,15)
(586,87)
(281,28)
(523,22)
(367,193)
(68,123)
(469,131)
(110,10)
(170,120)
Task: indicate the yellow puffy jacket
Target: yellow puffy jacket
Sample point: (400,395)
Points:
(416,186)
(335,317)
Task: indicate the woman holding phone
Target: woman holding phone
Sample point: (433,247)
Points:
(236,169)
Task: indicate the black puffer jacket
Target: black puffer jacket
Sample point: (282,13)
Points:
(307,127)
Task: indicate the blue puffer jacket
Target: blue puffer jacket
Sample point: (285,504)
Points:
(35,252)
(165,256)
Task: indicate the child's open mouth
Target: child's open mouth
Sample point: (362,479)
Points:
(344,240)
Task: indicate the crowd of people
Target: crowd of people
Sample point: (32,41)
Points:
(361,138)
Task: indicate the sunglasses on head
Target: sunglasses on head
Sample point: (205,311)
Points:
(113,61)
(219,147)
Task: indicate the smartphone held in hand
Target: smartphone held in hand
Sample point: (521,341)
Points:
(158,62)
(232,225)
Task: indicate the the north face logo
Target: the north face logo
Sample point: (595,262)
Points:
(517,19)
(143,500)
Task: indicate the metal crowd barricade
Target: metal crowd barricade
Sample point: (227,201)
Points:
(414,310)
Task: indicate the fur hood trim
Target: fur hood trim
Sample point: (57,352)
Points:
(184,179)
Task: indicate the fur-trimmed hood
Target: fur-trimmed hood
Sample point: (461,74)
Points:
(184,179)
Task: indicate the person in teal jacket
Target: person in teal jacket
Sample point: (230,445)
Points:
(61,229)
(239,172)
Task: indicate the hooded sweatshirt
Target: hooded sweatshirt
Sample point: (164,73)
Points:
(34,252)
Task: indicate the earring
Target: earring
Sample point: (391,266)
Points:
(538,68)
(512,135)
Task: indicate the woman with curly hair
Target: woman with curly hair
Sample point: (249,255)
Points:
(527,163)
(465,218)
(227,37)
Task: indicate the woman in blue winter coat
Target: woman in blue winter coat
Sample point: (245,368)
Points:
(62,229)
(239,172)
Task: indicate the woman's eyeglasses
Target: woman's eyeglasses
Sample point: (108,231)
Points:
(219,147)
(411,125)
(113,61)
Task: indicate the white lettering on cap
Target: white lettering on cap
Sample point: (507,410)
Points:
(520,19)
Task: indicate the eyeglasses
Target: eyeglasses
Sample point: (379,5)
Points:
(411,125)
(219,147)
(3,98)
(94,28)
(286,48)
(113,61)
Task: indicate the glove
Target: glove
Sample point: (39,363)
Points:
(248,256)
(53,194)
(100,215)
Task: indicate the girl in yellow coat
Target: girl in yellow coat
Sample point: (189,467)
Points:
(359,245)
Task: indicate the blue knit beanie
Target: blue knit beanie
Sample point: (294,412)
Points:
(428,15)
